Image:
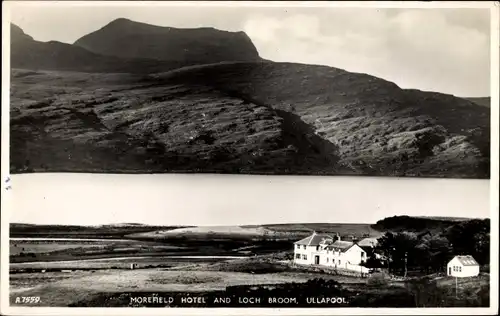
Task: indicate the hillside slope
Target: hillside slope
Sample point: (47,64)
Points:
(374,126)
(130,39)
(129,123)
(254,118)
(416,223)
(484,101)
(20,230)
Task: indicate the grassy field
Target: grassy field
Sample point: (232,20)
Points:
(464,287)
(20,247)
(59,288)
(105,287)
(141,262)
(50,250)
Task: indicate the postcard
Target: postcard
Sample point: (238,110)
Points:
(250,158)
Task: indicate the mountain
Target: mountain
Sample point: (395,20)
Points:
(254,117)
(128,39)
(484,101)
(250,118)
(27,53)
(17,34)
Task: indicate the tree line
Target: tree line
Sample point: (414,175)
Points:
(430,252)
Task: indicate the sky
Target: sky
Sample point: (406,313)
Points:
(94,199)
(443,50)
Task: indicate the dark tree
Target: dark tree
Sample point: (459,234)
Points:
(399,250)
(471,238)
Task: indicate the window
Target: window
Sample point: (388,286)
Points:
(459,269)
(298,246)
(317,248)
(304,246)
(326,259)
(304,257)
(333,261)
(297,256)
(339,261)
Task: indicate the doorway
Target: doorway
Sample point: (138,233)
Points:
(449,270)
(316,259)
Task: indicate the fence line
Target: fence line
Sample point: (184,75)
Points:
(327,270)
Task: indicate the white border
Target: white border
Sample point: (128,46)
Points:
(495,101)
(5,195)
(494,187)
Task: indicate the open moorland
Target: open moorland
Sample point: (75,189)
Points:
(115,287)
(52,243)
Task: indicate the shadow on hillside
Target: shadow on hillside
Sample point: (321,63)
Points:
(311,152)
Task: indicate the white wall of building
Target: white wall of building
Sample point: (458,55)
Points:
(305,254)
(350,259)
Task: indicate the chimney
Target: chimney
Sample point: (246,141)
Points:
(338,237)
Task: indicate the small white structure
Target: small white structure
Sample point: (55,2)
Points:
(323,250)
(463,266)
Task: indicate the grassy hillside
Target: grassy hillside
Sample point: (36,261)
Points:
(484,101)
(20,230)
(416,224)
(220,233)
(373,126)
(63,121)
(253,118)
(345,230)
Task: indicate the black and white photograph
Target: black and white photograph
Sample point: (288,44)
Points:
(250,90)
(223,242)
(210,156)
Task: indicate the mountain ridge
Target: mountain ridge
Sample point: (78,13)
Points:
(126,38)
(27,53)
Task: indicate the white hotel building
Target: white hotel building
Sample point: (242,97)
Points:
(324,250)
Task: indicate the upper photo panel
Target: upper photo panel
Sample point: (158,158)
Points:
(250,90)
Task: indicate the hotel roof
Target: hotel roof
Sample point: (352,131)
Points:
(314,240)
(341,245)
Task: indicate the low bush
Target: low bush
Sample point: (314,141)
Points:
(378,279)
